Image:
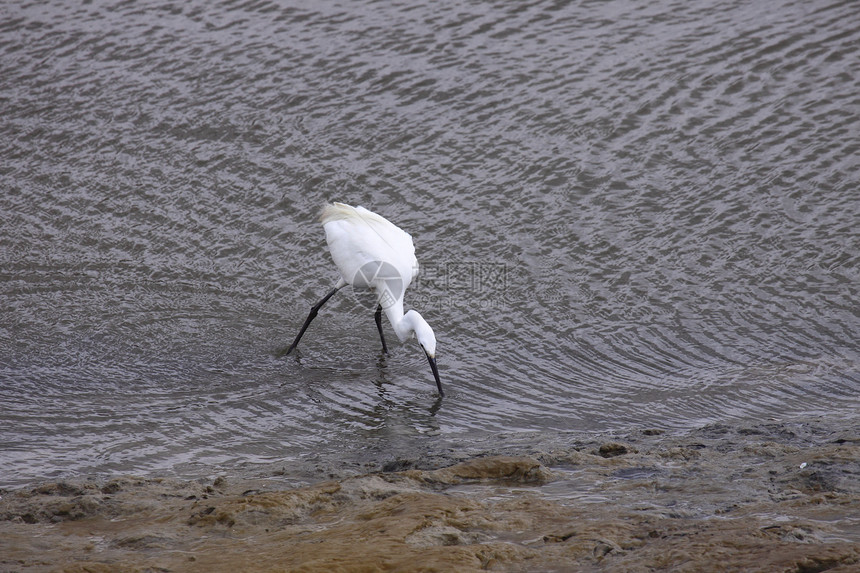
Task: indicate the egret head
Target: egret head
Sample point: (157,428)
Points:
(427,340)
(423,332)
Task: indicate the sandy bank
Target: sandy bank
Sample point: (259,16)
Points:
(758,498)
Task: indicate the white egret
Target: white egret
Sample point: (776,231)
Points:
(371,252)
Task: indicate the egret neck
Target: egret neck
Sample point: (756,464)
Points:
(412,323)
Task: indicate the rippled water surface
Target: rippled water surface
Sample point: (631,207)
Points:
(628,215)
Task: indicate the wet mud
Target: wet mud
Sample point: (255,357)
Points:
(765,497)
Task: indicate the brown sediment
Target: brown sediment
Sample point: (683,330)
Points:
(651,503)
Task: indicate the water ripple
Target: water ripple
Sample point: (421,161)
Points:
(626,215)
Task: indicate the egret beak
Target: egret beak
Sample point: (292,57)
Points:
(432,361)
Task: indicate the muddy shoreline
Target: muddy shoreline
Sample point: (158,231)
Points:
(757,497)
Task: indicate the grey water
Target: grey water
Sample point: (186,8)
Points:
(628,215)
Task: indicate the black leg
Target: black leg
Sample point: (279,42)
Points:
(314,310)
(378,317)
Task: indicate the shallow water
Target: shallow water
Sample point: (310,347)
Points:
(627,216)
